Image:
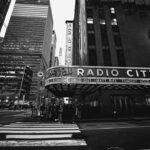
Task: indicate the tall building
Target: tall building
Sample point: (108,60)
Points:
(28,37)
(114,35)
(110,75)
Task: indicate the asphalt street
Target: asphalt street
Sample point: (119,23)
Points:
(9,116)
(129,135)
(101,135)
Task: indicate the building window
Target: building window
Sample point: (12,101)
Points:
(107,57)
(120,57)
(89,20)
(117,40)
(90,27)
(103,29)
(115,29)
(92,57)
(114,21)
(102,21)
(105,40)
(104,35)
(101,13)
(112,10)
(91,39)
(89,13)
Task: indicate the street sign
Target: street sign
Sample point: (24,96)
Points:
(40,74)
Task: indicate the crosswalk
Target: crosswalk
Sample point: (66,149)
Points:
(32,134)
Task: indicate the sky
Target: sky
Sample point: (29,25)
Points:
(62,10)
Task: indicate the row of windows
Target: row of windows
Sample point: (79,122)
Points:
(104,37)
(117,38)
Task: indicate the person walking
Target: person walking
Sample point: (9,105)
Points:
(60,113)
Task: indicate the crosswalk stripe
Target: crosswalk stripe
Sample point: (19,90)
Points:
(40,125)
(11,136)
(32,128)
(43,143)
(44,132)
(40,134)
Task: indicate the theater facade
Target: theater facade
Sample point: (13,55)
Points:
(103,91)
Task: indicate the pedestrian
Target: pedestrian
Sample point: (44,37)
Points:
(72,112)
(60,113)
(79,108)
(42,109)
(52,112)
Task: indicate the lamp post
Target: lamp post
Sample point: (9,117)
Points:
(40,76)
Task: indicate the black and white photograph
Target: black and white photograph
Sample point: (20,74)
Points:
(74,74)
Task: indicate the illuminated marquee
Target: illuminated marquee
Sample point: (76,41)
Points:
(98,75)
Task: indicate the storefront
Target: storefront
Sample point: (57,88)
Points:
(103,91)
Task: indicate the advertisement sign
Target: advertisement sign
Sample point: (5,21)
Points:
(69,43)
(98,75)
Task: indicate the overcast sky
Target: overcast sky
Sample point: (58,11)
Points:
(62,10)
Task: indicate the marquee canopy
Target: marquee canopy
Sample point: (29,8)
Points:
(83,80)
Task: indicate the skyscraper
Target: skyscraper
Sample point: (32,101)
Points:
(28,37)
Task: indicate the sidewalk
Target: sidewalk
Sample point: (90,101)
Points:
(113,119)
(35,118)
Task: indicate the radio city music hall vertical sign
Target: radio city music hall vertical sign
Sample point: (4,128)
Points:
(98,75)
(69,43)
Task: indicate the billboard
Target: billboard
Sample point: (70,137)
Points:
(98,75)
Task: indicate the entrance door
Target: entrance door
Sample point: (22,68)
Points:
(122,105)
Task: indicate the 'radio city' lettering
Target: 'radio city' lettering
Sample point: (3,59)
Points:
(99,72)
(108,72)
(136,73)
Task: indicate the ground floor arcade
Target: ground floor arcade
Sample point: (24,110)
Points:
(103,92)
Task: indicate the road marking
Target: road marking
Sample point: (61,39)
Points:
(38,123)
(36,136)
(33,128)
(13,143)
(40,134)
(35,132)
(42,125)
